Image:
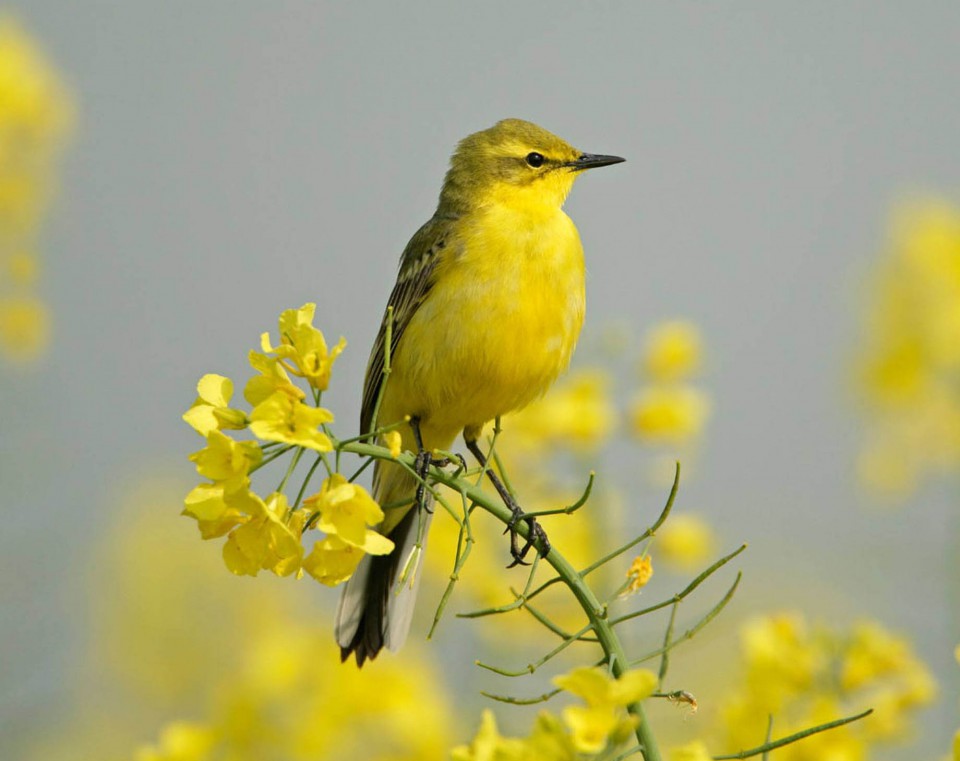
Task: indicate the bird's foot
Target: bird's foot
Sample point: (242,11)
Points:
(535,534)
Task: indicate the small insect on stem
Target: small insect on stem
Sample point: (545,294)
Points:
(680,698)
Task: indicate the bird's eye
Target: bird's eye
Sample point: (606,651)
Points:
(535,159)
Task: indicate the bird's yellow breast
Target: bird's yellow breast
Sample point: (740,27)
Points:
(499,324)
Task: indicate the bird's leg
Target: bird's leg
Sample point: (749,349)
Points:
(423,462)
(421,465)
(536,530)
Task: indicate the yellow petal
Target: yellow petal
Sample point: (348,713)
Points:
(215,390)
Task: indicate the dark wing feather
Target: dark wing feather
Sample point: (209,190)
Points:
(414,281)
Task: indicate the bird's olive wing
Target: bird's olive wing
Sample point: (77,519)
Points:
(414,281)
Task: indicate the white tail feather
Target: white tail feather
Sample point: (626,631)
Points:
(403,597)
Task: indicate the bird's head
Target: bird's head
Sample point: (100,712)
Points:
(515,163)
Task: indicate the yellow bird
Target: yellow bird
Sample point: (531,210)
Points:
(486,311)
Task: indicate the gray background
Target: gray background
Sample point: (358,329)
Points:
(234,159)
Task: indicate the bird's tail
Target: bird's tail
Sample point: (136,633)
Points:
(376,608)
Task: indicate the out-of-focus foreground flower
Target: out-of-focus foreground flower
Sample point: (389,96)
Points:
(909,364)
(600,725)
(35,117)
(803,675)
(187,662)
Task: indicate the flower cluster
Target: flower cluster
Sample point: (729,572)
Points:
(804,676)
(601,724)
(909,365)
(35,115)
(264,533)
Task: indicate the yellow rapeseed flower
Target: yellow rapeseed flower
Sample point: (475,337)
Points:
(332,560)
(211,411)
(270,379)
(227,461)
(346,510)
(669,414)
(639,573)
(685,542)
(282,418)
(266,541)
(303,349)
(603,717)
(672,351)
(205,502)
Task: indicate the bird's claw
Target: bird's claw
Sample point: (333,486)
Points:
(535,534)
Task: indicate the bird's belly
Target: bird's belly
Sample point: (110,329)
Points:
(493,334)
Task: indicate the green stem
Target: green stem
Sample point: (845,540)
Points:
(767,747)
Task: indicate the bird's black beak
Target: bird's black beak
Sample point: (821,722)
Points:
(593,160)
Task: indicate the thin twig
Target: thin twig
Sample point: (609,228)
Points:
(695,629)
(569,509)
(665,658)
(521,701)
(766,747)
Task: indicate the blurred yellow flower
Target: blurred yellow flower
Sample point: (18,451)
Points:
(672,351)
(211,411)
(282,418)
(669,414)
(303,349)
(806,676)
(695,751)
(255,670)
(346,510)
(24,327)
(685,542)
(871,652)
(908,370)
(180,741)
(598,687)
(34,108)
(35,113)
(489,744)
(576,413)
(603,717)
(547,742)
